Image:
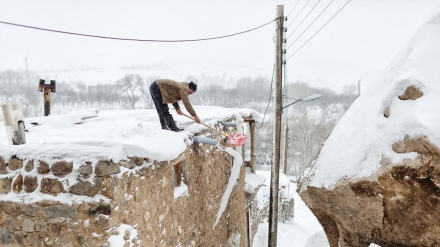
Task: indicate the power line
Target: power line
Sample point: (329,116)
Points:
(293,8)
(132,39)
(310,24)
(298,13)
(270,96)
(319,29)
(304,18)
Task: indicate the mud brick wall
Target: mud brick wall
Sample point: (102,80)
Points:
(106,197)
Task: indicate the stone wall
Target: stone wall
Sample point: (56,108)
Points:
(133,199)
(257,214)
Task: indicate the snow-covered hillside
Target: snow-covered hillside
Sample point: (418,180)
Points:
(364,135)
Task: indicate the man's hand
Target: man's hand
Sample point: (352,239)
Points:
(179,112)
(197,119)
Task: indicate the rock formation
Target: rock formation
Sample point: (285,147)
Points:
(377,177)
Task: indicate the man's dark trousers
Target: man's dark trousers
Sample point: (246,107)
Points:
(161,108)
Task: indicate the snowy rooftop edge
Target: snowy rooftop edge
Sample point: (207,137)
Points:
(90,135)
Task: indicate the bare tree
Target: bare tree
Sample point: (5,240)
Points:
(144,89)
(129,87)
(11,77)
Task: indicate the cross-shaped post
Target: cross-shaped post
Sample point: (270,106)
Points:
(47,89)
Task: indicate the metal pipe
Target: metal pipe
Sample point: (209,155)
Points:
(229,124)
(14,121)
(8,114)
(205,140)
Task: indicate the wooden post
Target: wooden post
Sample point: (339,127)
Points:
(275,169)
(47,88)
(178,174)
(253,154)
(46,101)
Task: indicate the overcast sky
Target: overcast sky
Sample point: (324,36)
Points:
(355,45)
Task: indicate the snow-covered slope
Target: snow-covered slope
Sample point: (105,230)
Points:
(364,135)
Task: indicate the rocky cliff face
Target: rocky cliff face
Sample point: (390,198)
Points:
(377,177)
(399,206)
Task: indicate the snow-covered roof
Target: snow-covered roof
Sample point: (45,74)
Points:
(91,135)
(364,135)
(253,181)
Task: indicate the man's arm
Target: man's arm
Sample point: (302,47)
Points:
(176,106)
(188,106)
(197,119)
(186,103)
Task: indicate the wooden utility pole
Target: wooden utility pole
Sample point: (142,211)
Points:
(47,89)
(27,70)
(253,155)
(286,146)
(275,169)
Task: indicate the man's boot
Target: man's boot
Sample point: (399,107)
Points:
(163,124)
(171,124)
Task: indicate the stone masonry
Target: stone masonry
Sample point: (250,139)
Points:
(137,193)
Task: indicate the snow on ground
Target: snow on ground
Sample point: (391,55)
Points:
(304,231)
(252,181)
(364,136)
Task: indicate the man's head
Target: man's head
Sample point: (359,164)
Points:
(192,86)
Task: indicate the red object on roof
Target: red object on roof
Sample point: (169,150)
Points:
(236,140)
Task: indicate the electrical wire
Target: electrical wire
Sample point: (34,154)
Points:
(319,30)
(304,19)
(270,96)
(293,8)
(310,24)
(299,13)
(132,39)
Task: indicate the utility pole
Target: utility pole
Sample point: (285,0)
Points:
(286,145)
(275,169)
(27,70)
(253,155)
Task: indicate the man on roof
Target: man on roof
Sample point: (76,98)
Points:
(165,91)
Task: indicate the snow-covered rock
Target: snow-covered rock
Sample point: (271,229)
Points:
(377,177)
